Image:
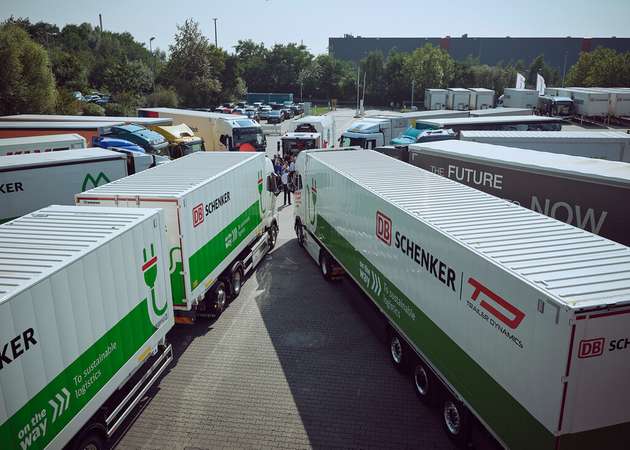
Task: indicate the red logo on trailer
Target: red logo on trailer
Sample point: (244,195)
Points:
(383,228)
(591,347)
(197,215)
(515,316)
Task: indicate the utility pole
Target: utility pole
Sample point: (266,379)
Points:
(152,59)
(413,85)
(215,32)
(100,21)
(358,87)
(564,68)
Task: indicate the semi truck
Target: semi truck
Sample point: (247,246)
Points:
(181,139)
(221,220)
(584,192)
(84,315)
(610,145)
(309,132)
(372,132)
(40,144)
(495,311)
(220,132)
(32,181)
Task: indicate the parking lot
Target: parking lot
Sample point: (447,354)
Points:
(294,362)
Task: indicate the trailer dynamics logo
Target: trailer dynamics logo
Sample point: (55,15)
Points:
(150,271)
(383,228)
(496,311)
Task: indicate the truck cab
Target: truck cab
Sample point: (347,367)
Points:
(367,133)
(293,143)
(415,136)
(150,141)
(182,141)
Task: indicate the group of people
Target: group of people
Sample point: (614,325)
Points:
(285,168)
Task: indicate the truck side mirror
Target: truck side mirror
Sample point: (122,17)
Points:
(278,146)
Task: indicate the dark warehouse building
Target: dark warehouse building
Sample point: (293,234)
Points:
(489,50)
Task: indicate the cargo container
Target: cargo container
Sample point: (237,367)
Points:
(144,121)
(500,111)
(88,130)
(40,144)
(83,320)
(33,181)
(519,98)
(497,312)
(610,145)
(458,99)
(219,132)
(481,98)
(435,99)
(584,192)
(590,103)
(221,220)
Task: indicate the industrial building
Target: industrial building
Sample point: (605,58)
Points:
(558,51)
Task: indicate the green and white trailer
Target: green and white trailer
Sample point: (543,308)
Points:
(221,219)
(500,312)
(84,313)
(35,180)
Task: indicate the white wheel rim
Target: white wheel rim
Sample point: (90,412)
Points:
(422,380)
(236,282)
(451,418)
(396,350)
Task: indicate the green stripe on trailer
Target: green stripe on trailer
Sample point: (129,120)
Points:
(37,423)
(503,414)
(208,257)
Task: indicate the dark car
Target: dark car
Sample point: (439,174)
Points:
(275,116)
(288,114)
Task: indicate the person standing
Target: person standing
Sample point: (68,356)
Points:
(285,184)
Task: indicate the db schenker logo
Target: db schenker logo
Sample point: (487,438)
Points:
(383,228)
(197,215)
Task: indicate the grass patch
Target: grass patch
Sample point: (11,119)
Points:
(319,110)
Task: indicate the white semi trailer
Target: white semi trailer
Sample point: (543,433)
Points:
(32,181)
(500,312)
(40,144)
(221,220)
(435,99)
(610,145)
(84,313)
(458,99)
(481,98)
(519,98)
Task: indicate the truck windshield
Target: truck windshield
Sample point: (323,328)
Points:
(251,136)
(305,128)
(295,146)
(353,141)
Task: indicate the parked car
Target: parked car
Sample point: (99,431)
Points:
(288,113)
(275,116)
(239,110)
(264,111)
(252,113)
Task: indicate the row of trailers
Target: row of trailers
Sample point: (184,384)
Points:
(599,103)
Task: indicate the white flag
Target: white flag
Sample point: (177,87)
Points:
(540,84)
(520,81)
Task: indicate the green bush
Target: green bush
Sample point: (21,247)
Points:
(66,103)
(162,97)
(115,109)
(92,109)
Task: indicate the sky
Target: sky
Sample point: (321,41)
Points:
(313,22)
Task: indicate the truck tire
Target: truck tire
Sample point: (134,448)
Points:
(325,265)
(218,298)
(299,232)
(399,352)
(90,439)
(272,236)
(456,421)
(425,383)
(236,282)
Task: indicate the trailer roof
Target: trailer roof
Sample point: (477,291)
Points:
(175,179)
(489,112)
(43,242)
(482,90)
(193,113)
(67,156)
(561,135)
(575,268)
(599,170)
(438,123)
(41,139)
(70,118)
(462,90)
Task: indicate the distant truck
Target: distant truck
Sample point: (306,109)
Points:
(221,220)
(519,98)
(610,145)
(220,132)
(587,193)
(414,136)
(372,132)
(555,106)
(84,317)
(149,140)
(181,139)
(308,132)
(32,181)
(499,315)
(41,144)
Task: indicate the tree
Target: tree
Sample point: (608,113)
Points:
(430,67)
(27,84)
(134,77)
(538,66)
(195,67)
(69,72)
(602,67)
(373,66)
(252,58)
(397,83)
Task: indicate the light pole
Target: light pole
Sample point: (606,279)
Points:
(215,32)
(150,46)
(413,85)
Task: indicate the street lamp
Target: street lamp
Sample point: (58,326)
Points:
(215,32)
(152,61)
(150,47)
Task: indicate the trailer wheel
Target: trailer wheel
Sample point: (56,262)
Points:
(456,421)
(273,236)
(218,298)
(90,439)
(236,282)
(399,352)
(325,265)
(425,383)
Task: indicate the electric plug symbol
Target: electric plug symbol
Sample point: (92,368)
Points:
(150,270)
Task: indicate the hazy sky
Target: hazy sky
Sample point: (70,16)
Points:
(314,21)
